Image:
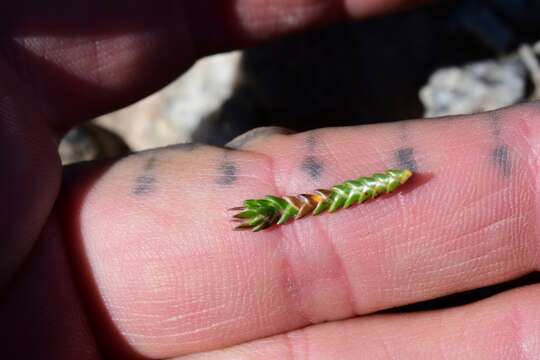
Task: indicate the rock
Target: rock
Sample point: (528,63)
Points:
(90,142)
(171,115)
(474,88)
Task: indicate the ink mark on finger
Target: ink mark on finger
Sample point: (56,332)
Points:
(311,141)
(405,159)
(229,173)
(496,122)
(502,157)
(150,163)
(313,167)
(144,184)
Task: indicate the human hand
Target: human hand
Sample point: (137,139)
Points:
(137,257)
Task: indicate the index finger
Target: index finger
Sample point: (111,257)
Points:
(174,279)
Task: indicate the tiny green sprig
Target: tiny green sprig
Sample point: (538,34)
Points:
(260,214)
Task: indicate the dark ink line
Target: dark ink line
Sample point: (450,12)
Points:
(311,141)
(229,173)
(405,159)
(313,167)
(150,163)
(495,121)
(502,157)
(144,184)
(403,131)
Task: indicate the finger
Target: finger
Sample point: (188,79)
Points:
(175,279)
(28,164)
(85,58)
(503,327)
(41,315)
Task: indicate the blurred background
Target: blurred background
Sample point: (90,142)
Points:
(447,58)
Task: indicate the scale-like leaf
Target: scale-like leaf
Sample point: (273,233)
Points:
(260,214)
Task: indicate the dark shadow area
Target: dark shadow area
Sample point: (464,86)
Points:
(103,18)
(367,71)
(418,180)
(467,297)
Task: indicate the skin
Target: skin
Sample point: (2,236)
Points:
(91,266)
